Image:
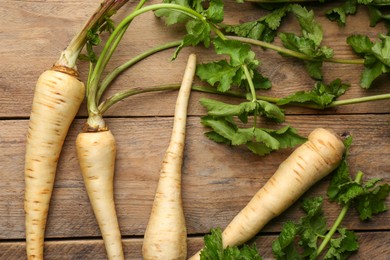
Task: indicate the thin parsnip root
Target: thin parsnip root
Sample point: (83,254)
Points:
(165,235)
(56,101)
(308,164)
(96,152)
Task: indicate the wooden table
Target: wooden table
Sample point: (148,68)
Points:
(217,180)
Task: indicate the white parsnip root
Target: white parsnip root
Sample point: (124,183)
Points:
(166,234)
(96,152)
(308,164)
(57,99)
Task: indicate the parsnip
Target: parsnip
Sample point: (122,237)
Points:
(308,164)
(56,101)
(165,235)
(96,152)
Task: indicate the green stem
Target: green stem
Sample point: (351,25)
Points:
(292,53)
(131,92)
(250,82)
(111,45)
(69,56)
(338,221)
(118,70)
(359,100)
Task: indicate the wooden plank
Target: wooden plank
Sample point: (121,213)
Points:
(373,245)
(34,32)
(214,175)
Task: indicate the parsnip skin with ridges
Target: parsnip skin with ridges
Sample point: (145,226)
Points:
(57,99)
(166,233)
(308,164)
(96,152)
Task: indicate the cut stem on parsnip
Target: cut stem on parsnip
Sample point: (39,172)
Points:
(57,98)
(308,164)
(166,234)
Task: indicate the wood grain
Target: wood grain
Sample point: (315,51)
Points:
(214,175)
(35,33)
(218,180)
(374,245)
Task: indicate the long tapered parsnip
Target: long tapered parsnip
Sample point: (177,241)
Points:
(308,164)
(57,99)
(166,233)
(96,152)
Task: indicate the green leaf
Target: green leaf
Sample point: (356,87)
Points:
(283,247)
(311,29)
(373,200)
(219,72)
(361,44)
(314,68)
(239,53)
(215,12)
(220,126)
(340,13)
(381,50)
(339,177)
(343,246)
(217,138)
(213,249)
(372,73)
(312,225)
(258,107)
(321,95)
(263,29)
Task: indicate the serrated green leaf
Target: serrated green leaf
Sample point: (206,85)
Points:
(314,68)
(340,13)
(213,247)
(310,28)
(372,73)
(373,201)
(283,247)
(214,250)
(322,94)
(217,72)
(361,44)
(287,137)
(215,12)
(239,53)
(217,138)
(381,50)
(258,148)
(221,126)
(261,82)
(339,177)
(343,246)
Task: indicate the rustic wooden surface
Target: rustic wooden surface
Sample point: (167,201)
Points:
(217,180)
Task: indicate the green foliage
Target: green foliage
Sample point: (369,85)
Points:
(198,31)
(322,94)
(263,29)
(367,197)
(300,240)
(227,73)
(213,249)
(376,56)
(260,141)
(94,39)
(340,13)
(309,43)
